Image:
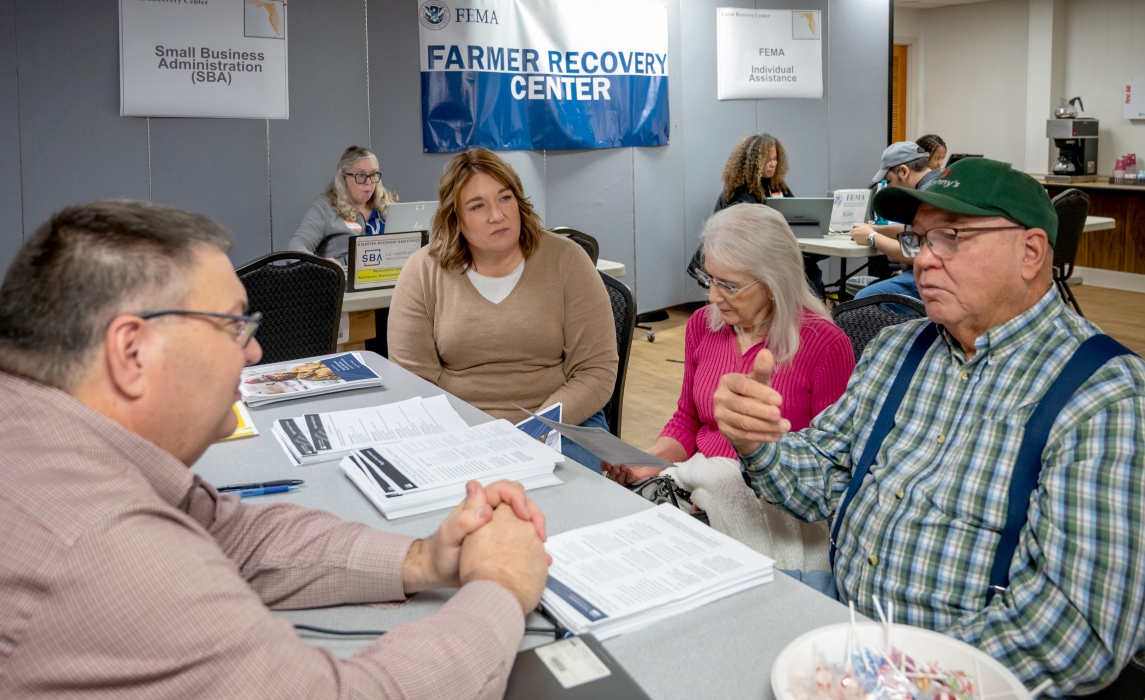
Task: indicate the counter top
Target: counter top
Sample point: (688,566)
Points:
(1102,183)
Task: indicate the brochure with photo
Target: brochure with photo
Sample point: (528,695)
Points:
(542,432)
(292,380)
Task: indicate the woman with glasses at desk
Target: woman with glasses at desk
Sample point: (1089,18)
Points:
(500,312)
(354,204)
(758,299)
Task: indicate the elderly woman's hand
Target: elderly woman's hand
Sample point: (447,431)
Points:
(625,475)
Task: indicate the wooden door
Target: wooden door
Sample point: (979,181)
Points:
(898,94)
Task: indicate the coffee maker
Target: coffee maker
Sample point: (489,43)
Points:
(1076,140)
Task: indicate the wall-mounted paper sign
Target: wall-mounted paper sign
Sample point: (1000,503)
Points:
(769,53)
(203,58)
(376,261)
(1134,105)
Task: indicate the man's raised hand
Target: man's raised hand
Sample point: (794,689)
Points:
(747,409)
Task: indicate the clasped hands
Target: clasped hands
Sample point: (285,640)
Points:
(496,534)
(747,411)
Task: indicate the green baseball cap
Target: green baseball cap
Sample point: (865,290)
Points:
(976,187)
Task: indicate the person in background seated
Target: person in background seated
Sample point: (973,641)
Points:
(759,300)
(926,523)
(936,147)
(755,172)
(123,333)
(354,204)
(500,312)
(904,164)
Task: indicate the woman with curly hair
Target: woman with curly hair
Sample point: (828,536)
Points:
(754,173)
(354,203)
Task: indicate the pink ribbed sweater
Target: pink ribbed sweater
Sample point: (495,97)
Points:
(815,379)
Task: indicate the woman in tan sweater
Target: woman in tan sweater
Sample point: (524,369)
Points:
(498,311)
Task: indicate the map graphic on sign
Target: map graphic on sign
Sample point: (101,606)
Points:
(805,25)
(265,19)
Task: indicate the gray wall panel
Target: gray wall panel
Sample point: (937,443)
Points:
(11,223)
(591,191)
(74,145)
(858,71)
(328,108)
(801,125)
(395,101)
(216,167)
(713,127)
(661,247)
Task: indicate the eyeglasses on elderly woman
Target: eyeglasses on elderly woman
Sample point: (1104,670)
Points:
(731,290)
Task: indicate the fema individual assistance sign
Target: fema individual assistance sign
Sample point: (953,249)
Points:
(543,74)
(203,58)
(769,53)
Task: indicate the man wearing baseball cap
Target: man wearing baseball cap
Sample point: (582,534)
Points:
(985,475)
(904,164)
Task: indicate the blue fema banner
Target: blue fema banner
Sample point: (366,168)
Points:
(543,74)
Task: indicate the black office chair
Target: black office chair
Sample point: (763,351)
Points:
(1072,207)
(300,297)
(624,320)
(862,319)
(582,239)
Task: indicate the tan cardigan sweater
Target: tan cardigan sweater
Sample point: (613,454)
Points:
(552,339)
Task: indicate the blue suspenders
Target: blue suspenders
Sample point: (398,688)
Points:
(883,424)
(1087,359)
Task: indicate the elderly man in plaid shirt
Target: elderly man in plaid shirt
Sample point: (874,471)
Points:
(926,498)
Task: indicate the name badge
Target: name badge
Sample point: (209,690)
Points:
(354,226)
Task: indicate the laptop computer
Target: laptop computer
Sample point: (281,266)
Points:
(577,668)
(409,216)
(808,217)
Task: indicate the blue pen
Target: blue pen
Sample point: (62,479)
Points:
(264,491)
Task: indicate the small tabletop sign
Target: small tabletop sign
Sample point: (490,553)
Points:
(848,208)
(376,261)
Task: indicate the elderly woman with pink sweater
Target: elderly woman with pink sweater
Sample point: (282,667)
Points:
(759,299)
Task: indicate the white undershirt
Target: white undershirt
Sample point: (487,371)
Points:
(495,289)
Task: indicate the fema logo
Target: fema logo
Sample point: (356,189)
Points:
(434,14)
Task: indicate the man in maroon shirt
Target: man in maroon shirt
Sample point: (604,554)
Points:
(123,331)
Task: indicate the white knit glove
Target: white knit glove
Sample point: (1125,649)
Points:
(717,486)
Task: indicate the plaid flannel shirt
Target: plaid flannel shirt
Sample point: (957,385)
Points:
(923,528)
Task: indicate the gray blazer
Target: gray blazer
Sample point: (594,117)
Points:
(326,234)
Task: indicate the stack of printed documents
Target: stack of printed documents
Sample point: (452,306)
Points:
(321,437)
(417,475)
(619,576)
(290,380)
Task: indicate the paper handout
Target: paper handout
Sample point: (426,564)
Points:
(603,444)
(618,576)
(318,437)
(427,473)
